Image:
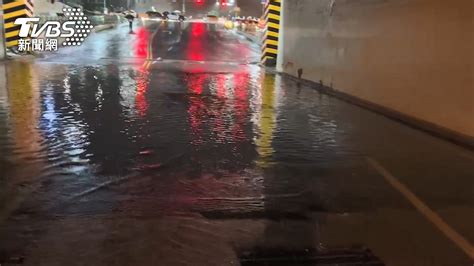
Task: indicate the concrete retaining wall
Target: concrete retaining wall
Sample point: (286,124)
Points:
(48,9)
(2,39)
(415,57)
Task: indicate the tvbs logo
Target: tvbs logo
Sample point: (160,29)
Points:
(71,31)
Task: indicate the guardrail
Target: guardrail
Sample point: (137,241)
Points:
(105,19)
(95,20)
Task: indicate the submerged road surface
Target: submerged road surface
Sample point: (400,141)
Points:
(171,146)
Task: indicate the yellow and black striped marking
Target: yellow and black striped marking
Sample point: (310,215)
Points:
(272,32)
(13,9)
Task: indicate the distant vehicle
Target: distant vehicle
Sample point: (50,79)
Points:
(175,15)
(154,15)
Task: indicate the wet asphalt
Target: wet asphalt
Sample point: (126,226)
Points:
(170,145)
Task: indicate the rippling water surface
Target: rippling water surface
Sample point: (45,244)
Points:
(225,144)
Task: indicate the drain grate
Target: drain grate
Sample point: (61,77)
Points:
(341,257)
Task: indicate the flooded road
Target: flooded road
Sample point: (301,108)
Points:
(170,146)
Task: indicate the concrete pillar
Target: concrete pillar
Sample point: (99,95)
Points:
(281,40)
(13,9)
(271,36)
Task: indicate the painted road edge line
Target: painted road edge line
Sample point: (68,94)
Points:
(429,214)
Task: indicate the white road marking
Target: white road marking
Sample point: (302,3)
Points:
(429,214)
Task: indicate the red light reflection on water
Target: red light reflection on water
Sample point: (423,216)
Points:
(197,42)
(142,38)
(220,86)
(219,123)
(197,108)
(195,83)
(140,96)
(225,116)
(241,104)
(141,42)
